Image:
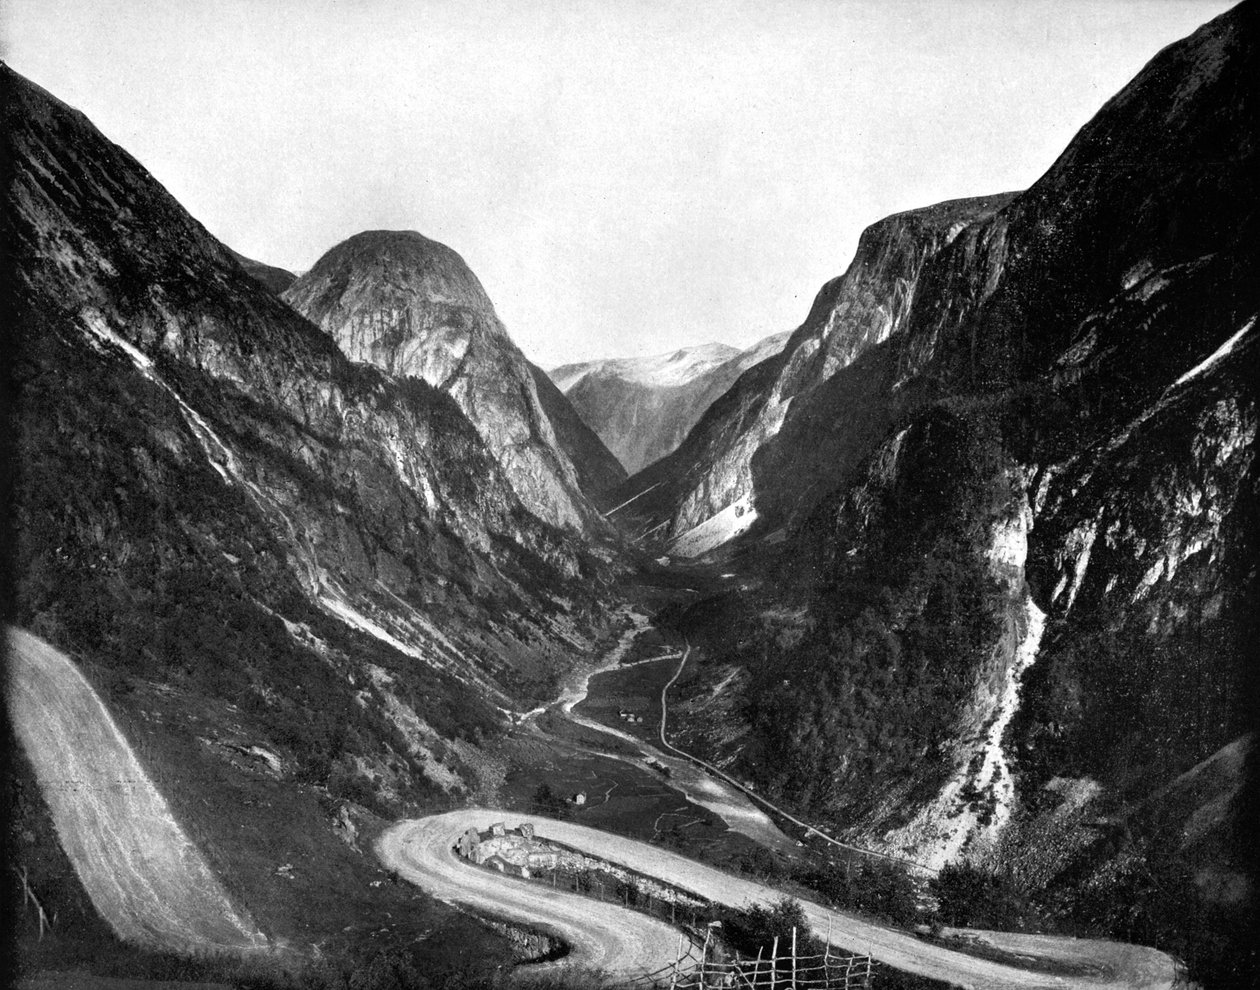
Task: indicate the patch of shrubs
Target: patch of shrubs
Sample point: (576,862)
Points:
(754,930)
(872,886)
(971,896)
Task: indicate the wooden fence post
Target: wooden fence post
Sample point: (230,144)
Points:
(774,962)
(757,965)
(29,894)
(793,957)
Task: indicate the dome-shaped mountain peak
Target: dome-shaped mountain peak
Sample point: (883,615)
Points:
(411,306)
(389,267)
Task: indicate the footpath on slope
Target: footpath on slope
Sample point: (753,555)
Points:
(618,940)
(144,875)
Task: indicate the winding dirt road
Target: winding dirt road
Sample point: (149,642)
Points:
(601,936)
(611,938)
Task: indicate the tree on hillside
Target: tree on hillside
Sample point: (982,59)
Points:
(756,928)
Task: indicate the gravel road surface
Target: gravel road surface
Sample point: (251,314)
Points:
(611,938)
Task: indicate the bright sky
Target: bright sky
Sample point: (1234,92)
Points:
(624,178)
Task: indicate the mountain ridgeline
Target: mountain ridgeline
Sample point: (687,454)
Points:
(275,279)
(411,307)
(643,408)
(1007,471)
(284,568)
(988,524)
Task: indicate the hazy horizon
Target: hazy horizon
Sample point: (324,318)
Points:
(624,180)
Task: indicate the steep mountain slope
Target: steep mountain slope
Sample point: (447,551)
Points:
(1016,589)
(597,469)
(281,564)
(712,470)
(276,279)
(642,408)
(411,307)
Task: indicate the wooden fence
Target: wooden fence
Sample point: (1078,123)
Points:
(782,968)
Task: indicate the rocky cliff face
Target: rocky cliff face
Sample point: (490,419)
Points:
(1025,604)
(411,307)
(212,499)
(643,408)
(718,466)
(598,471)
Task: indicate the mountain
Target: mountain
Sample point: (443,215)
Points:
(661,370)
(301,584)
(597,469)
(998,499)
(411,307)
(275,279)
(710,476)
(642,408)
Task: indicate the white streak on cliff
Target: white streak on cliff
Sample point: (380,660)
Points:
(1217,355)
(303,556)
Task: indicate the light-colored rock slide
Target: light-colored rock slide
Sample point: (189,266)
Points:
(144,875)
(611,938)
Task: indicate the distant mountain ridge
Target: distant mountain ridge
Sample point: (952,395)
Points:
(642,408)
(671,368)
(410,306)
(598,471)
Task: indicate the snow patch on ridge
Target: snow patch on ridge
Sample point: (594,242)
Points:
(669,370)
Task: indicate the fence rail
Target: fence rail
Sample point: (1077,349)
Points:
(783,968)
